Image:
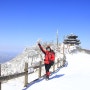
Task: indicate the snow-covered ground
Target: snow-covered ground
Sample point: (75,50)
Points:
(76,76)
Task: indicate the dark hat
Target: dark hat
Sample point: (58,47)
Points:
(48,47)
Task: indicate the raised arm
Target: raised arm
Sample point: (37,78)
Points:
(44,51)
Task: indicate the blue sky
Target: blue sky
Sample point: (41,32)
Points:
(23,22)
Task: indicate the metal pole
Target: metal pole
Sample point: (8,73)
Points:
(57,38)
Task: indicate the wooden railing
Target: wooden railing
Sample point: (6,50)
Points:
(59,64)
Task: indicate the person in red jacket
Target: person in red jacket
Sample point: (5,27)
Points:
(49,58)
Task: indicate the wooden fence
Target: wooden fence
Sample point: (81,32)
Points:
(59,64)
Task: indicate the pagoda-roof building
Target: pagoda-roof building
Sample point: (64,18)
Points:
(71,39)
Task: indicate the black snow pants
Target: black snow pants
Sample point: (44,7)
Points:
(47,67)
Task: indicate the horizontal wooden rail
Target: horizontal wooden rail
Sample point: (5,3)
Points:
(3,78)
(59,63)
(16,75)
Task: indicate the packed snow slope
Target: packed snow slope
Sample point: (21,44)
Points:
(76,76)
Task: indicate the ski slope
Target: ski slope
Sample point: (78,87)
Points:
(76,76)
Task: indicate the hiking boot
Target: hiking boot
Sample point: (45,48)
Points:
(47,77)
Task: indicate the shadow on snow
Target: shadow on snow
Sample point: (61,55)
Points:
(39,80)
(57,76)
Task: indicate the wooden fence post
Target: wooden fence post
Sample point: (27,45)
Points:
(26,74)
(63,49)
(60,63)
(40,68)
(57,63)
(53,67)
(0,75)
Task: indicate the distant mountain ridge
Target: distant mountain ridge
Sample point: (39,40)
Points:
(6,56)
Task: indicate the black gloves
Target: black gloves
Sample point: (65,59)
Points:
(39,44)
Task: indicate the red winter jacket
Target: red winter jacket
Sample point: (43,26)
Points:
(49,56)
